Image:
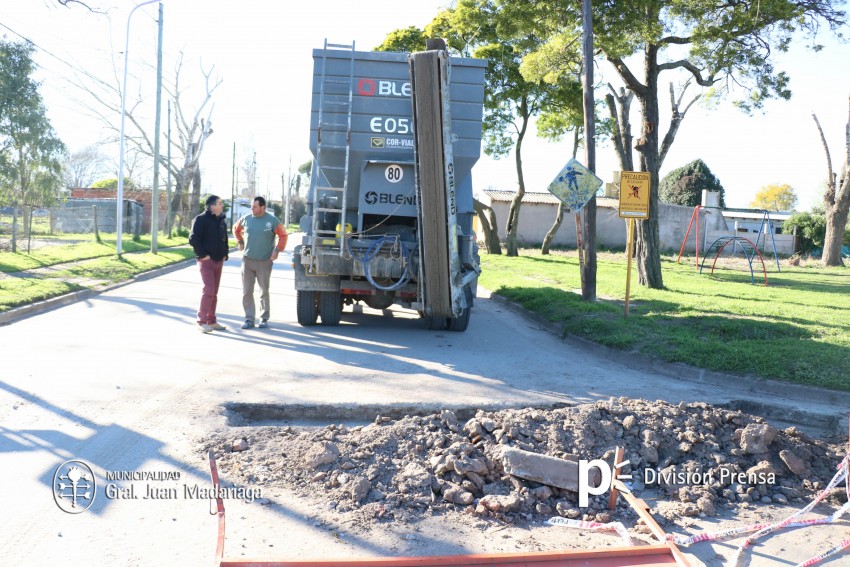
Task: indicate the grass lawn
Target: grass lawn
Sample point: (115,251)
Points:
(73,252)
(23,291)
(95,262)
(796,329)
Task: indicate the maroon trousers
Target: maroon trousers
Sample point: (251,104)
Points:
(211,277)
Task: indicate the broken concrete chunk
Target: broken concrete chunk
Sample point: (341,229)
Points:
(756,438)
(466,465)
(495,503)
(457,494)
(321,453)
(360,489)
(794,463)
(542,468)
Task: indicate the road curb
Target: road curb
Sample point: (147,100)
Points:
(24,311)
(830,424)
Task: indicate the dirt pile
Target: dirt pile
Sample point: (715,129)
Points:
(698,457)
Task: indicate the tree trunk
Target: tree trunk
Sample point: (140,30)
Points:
(176,206)
(619,105)
(559,216)
(836,221)
(487,218)
(14,227)
(516,203)
(836,201)
(195,199)
(547,240)
(648,241)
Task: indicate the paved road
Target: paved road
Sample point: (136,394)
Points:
(124,382)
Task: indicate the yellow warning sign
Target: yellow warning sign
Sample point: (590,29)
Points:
(634,194)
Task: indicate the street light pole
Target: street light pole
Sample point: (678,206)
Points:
(119,207)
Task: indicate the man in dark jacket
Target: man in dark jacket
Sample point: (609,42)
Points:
(209,240)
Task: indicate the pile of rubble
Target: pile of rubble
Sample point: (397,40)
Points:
(699,457)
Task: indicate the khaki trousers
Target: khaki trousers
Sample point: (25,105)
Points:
(261,272)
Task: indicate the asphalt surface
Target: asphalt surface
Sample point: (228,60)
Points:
(123,381)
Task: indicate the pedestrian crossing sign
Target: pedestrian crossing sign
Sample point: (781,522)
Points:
(575,185)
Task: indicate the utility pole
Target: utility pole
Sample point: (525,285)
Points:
(168,219)
(119,198)
(155,195)
(588,267)
(255,189)
(233,186)
(286,188)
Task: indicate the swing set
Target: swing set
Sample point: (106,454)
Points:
(749,248)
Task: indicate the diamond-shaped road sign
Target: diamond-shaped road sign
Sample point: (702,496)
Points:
(575,185)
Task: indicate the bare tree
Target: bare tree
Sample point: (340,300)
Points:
(836,201)
(249,171)
(84,167)
(71,3)
(192,128)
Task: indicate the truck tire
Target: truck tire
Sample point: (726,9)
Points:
(330,308)
(306,307)
(460,323)
(434,323)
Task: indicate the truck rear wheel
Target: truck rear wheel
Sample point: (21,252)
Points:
(306,307)
(434,323)
(330,307)
(460,323)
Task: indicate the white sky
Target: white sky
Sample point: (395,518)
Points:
(262,52)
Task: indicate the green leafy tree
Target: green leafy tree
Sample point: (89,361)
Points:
(511,97)
(406,40)
(684,186)
(31,155)
(775,198)
(811,230)
(723,46)
(557,63)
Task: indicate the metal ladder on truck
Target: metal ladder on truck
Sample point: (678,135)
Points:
(331,172)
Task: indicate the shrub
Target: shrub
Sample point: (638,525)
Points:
(112,183)
(684,186)
(811,230)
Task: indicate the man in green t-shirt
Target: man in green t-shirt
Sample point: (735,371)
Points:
(255,234)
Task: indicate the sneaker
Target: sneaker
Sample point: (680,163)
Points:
(263,324)
(204,328)
(248,325)
(218,327)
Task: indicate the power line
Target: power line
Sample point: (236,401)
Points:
(42,49)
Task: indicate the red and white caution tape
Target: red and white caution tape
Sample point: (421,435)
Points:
(600,526)
(839,476)
(817,559)
(791,521)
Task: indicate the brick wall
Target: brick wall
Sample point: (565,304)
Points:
(139,195)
